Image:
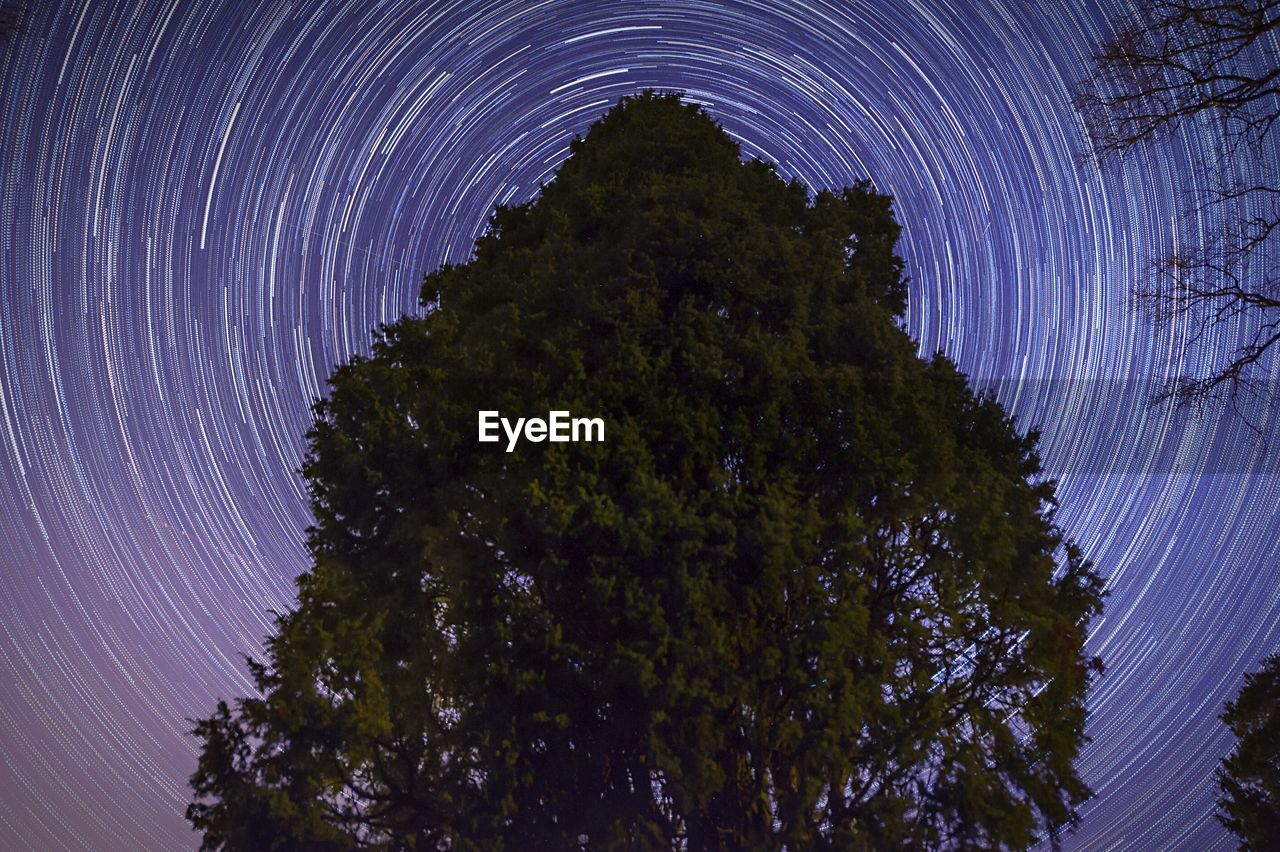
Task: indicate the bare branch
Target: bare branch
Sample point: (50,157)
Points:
(1198,61)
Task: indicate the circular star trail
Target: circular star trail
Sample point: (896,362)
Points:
(210,205)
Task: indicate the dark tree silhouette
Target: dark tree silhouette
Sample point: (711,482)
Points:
(1205,62)
(807,592)
(1250,776)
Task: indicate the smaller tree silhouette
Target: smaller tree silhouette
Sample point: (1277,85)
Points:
(1250,775)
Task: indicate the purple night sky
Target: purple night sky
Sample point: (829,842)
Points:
(209,205)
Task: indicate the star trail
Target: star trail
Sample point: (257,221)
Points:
(207,206)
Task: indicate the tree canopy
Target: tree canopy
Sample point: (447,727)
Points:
(808,592)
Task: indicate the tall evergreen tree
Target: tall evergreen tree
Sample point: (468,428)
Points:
(808,592)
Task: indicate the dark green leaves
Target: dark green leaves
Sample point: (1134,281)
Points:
(804,594)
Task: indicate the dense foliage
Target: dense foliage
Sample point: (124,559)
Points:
(808,591)
(1250,776)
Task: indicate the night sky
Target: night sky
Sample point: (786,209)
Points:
(207,206)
